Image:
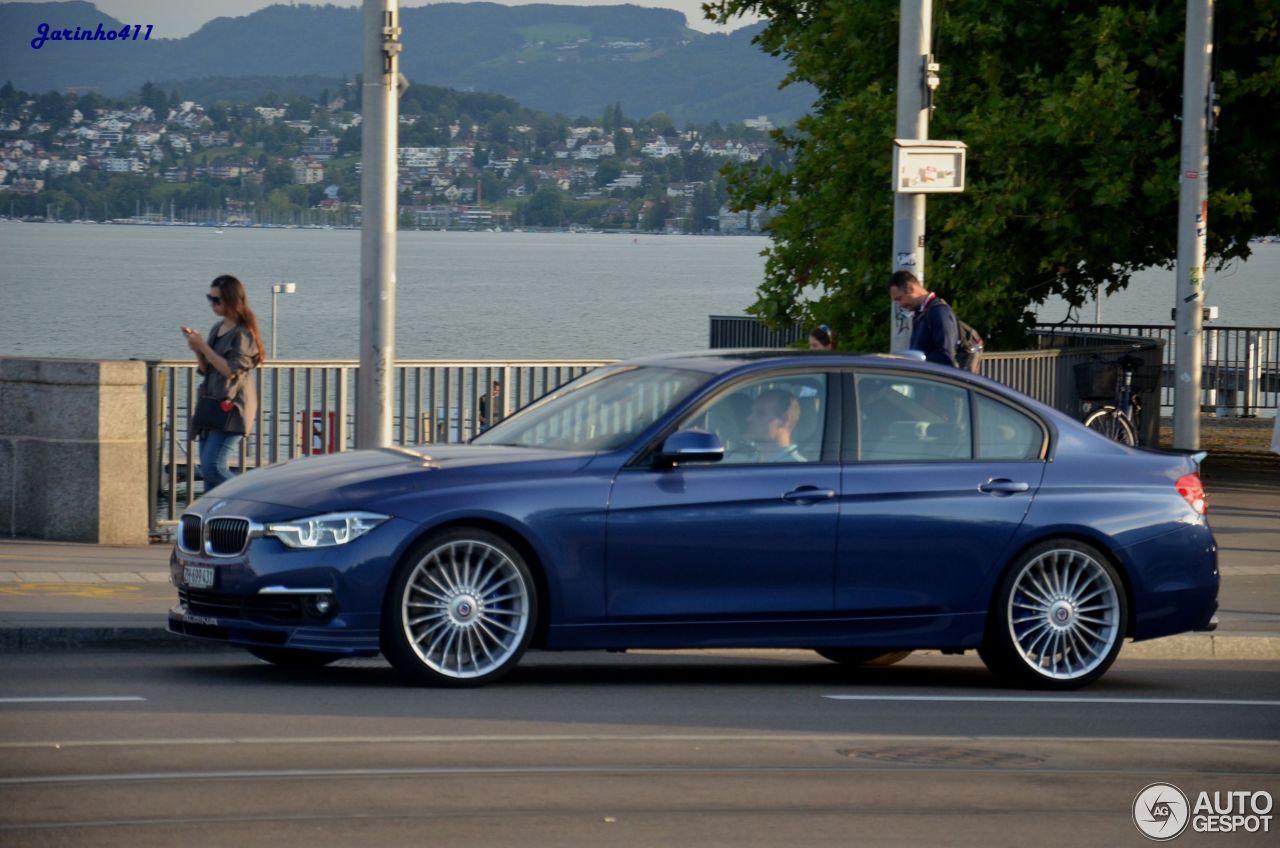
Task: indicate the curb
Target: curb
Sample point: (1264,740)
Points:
(47,639)
(30,640)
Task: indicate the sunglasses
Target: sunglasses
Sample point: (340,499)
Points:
(824,328)
(214,300)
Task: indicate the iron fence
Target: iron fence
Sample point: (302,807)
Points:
(307,407)
(1241,370)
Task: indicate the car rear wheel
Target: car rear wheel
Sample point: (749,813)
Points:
(460,610)
(1058,619)
(293,658)
(864,657)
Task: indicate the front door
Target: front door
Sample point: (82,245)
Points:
(752,535)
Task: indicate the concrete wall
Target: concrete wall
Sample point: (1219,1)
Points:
(73,450)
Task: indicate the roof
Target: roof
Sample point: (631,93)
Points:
(719,361)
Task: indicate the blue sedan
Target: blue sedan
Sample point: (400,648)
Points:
(859,506)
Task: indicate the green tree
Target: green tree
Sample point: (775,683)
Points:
(546,208)
(1071,113)
(621,143)
(607,171)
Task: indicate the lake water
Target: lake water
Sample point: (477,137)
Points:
(110,291)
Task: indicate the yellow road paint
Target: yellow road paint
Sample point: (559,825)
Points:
(70,590)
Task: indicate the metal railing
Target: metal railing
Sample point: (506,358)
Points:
(307,407)
(1241,364)
(1241,372)
(730,331)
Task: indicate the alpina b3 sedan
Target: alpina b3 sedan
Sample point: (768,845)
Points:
(859,506)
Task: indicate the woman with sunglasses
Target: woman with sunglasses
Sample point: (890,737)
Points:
(226,358)
(822,337)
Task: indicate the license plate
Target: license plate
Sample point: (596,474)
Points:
(198,576)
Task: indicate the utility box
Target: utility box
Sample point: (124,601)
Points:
(928,167)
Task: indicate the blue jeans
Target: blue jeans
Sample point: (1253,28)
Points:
(216,448)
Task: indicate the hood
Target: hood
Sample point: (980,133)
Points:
(342,480)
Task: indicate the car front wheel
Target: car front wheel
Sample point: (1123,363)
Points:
(460,610)
(1058,619)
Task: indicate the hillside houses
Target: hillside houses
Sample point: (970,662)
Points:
(274,168)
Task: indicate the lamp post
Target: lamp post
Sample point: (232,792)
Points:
(277,290)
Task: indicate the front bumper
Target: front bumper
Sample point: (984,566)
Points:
(266,595)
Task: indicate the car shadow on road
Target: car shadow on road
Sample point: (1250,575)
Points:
(601,669)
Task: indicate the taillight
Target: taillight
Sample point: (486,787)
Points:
(1192,490)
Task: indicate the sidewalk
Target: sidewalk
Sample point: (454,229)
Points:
(58,596)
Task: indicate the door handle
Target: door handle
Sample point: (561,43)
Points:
(1001,486)
(808,494)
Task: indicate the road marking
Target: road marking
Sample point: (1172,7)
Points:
(1049,699)
(520,771)
(72,699)
(71,590)
(703,738)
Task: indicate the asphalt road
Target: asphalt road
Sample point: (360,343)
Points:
(602,749)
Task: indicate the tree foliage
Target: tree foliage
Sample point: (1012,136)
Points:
(1071,113)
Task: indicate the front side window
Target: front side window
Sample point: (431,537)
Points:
(600,411)
(910,419)
(777,419)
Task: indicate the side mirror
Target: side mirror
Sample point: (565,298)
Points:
(690,446)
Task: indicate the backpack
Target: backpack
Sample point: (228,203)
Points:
(969,345)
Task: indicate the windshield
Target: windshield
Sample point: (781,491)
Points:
(601,410)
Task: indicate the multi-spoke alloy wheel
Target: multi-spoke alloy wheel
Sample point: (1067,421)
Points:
(460,611)
(1059,619)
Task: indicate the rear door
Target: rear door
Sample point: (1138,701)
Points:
(936,479)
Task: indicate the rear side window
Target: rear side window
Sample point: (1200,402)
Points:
(1004,432)
(910,419)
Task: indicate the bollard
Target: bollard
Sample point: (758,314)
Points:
(1214,373)
(1252,377)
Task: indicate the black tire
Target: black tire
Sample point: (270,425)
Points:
(1112,423)
(293,658)
(1058,618)
(864,657)
(460,610)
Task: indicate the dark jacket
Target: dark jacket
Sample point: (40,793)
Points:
(237,347)
(934,332)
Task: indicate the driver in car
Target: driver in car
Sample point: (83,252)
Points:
(772,420)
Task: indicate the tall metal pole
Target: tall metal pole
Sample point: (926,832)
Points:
(1193,223)
(380,115)
(914,30)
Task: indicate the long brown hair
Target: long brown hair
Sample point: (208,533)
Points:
(236,303)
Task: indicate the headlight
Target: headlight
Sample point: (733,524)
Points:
(325,531)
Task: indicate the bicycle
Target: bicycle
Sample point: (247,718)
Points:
(1115,380)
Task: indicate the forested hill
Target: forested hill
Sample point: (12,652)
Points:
(569,59)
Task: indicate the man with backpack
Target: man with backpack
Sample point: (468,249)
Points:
(935,330)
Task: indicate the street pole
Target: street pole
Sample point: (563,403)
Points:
(914,29)
(277,290)
(380,116)
(1193,223)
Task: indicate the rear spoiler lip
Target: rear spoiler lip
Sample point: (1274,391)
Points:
(1196,456)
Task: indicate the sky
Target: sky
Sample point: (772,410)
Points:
(179,18)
